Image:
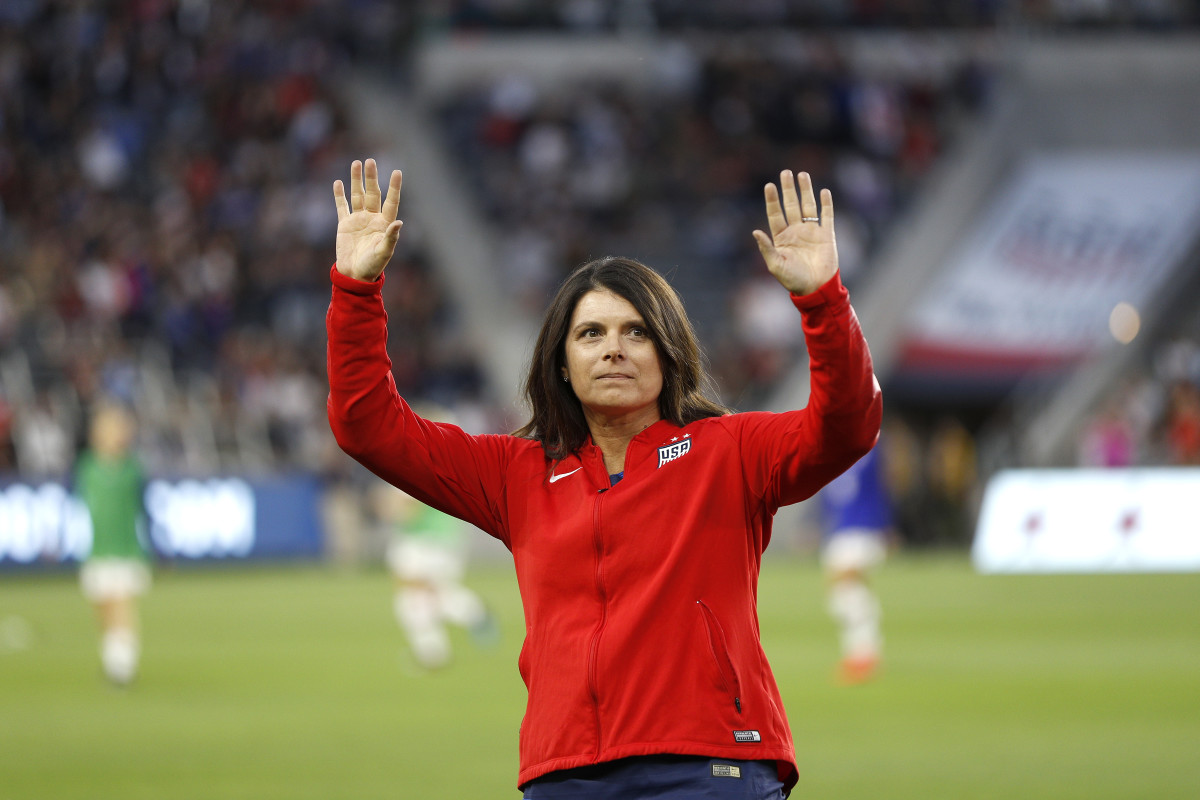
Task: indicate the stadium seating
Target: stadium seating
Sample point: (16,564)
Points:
(166,224)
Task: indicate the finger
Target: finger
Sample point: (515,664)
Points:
(827,210)
(391,204)
(775,219)
(339,200)
(393,231)
(371,201)
(791,203)
(387,245)
(766,247)
(356,186)
(808,203)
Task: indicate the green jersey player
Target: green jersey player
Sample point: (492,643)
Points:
(109,481)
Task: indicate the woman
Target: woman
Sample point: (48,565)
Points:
(636,510)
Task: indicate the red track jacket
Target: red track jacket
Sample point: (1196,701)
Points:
(640,599)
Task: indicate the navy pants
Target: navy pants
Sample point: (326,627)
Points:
(662,778)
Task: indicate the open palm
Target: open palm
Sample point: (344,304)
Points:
(367,228)
(801,251)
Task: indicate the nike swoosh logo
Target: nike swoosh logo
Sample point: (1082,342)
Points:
(554,478)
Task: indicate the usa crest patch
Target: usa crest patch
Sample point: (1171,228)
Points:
(674,450)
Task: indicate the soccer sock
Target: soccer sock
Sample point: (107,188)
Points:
(418,615)
(119,655)
(857,612)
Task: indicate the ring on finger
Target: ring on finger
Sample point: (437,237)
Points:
(809,219)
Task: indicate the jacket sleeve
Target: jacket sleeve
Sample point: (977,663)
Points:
(788,457)
(437,463)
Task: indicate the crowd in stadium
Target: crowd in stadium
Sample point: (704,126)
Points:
(166,222)
(1153,417)
(723,15)
(167,230)
(675,172)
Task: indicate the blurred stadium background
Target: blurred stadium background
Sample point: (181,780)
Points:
(1018,195)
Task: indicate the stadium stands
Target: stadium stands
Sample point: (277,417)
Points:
(167,223)
(166,227)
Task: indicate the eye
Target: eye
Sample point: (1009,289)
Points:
(639,332)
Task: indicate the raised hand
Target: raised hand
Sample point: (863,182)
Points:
(367,231)
(800,252)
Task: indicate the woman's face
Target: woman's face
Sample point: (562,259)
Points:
(612,362)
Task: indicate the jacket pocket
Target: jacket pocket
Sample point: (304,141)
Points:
(719,649)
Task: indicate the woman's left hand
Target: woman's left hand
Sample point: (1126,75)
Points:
(800,252)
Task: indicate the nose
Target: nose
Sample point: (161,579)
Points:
(612,349)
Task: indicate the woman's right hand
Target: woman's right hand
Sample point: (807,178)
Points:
(367,231)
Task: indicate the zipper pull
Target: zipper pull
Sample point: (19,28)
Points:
(737,701)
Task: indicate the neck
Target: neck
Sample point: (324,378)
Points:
(613,434)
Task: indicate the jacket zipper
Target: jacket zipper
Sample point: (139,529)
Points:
(595,646)
(720,654)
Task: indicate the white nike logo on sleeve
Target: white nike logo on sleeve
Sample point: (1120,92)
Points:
(554,478)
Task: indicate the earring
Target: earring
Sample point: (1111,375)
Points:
(566,378)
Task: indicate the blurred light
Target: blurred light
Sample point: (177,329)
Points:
(1124,323)
(201,519)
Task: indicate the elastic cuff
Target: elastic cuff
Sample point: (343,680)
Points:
(354,285)
(831,291)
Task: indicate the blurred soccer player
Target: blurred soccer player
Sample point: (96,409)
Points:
(109,481)
(427,556)
(858,518)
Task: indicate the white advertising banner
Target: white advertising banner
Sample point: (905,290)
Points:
(1090,520)
(1063,242)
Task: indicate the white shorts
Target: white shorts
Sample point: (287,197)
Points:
(412,559)
(854,549)
(110,578)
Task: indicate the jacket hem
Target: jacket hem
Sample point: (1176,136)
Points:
(788,771)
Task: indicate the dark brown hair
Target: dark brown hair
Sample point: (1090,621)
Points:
(557,419)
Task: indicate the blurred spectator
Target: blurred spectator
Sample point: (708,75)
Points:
(952,482)
(904,476)
(1183,424)
(44,444)
(768,335)
(1108,439)
(7,453)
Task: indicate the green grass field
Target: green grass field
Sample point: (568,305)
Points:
(292,683)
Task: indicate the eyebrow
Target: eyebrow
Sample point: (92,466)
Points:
(635,322)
